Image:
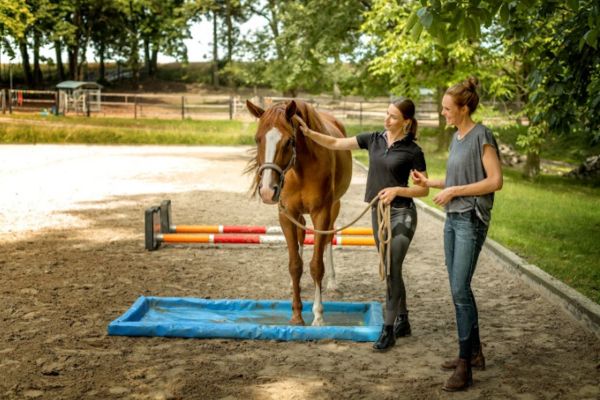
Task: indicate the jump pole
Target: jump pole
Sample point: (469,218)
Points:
(168,227)
(226,238)
(154,236)
(264,230)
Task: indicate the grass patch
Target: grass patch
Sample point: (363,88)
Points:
(37,129)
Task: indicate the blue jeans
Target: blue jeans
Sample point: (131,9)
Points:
(464,234)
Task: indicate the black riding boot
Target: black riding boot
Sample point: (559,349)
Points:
(386,339)
(401,326)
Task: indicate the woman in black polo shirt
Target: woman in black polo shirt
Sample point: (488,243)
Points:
(393,153)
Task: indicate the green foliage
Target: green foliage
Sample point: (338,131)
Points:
(410,59)
(556,46)
(305,43)
(15,17)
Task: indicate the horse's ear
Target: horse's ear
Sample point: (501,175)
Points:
(254,109)
(290,110)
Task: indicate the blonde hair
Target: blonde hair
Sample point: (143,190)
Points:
(465,93)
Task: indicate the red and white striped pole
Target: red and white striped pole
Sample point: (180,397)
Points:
(265,230)
(228,238)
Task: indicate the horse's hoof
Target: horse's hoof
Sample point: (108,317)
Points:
(318,322)
(296,321)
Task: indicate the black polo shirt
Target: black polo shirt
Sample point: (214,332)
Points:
(390,167)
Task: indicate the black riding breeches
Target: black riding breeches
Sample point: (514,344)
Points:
(404,224)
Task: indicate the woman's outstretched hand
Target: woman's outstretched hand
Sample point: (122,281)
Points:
(418,178)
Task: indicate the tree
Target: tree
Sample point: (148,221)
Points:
(163,28)
(558,45)
(430,62)
(307,41)
(231,13)
(15,19)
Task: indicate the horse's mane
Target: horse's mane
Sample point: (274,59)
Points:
(309,115)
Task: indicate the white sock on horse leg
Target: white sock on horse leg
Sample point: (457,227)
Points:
(318,308)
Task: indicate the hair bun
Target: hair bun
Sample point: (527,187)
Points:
(471,83)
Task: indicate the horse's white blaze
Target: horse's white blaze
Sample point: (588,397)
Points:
(318,308)
(329,270)
(273,137)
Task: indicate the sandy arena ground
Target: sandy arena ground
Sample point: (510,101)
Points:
(72,259)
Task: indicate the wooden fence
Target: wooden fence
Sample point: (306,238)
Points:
(195,106)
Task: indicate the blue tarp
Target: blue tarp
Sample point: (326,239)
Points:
(246,319)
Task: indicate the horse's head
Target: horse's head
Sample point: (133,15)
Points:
(276,148)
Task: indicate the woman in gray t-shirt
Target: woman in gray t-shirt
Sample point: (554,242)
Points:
(473,174)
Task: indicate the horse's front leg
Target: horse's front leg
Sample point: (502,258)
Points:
(294,265)
(322,221)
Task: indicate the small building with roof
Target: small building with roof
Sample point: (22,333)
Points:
(79,96)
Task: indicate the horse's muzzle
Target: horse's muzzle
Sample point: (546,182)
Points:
(268,194)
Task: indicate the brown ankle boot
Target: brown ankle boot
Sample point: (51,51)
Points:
(462,377)
(477,362)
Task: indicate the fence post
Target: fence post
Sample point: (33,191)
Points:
(87,104)
(3,103)
(10,101)
(135,107)
(182,108)
(230,108)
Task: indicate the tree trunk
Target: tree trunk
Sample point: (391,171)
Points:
(443,136)
(102,69)
(532,165)
(26,64)
(154,59)
(73,55)
(134,60)
(274,25)
(229,35)
(38,77)
(147,63)
(60,68)
(82,65)
(215,66)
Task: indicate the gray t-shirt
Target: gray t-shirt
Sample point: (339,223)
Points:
(465,166)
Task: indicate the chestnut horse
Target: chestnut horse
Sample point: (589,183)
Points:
(307,179)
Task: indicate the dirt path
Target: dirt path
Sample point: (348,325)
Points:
(72,260)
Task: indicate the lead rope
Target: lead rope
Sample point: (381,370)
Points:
(384,233)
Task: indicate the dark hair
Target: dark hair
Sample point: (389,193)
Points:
(465,93)
(407,108)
